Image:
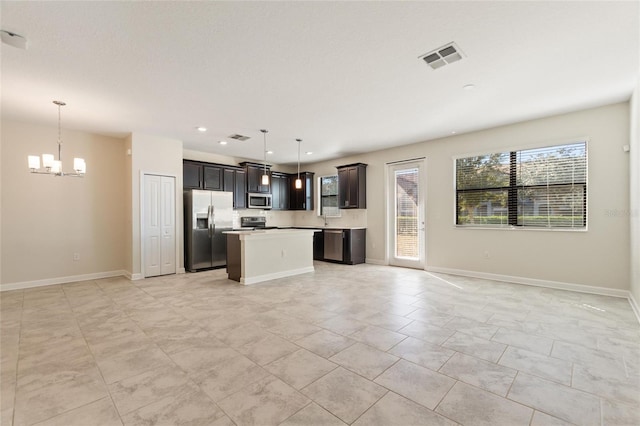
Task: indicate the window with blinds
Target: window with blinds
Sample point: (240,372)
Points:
(541,187)
(329,196)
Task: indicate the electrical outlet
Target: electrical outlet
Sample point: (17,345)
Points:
(76,257)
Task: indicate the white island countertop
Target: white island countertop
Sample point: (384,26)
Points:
(262,255)
(272,232)
(333,228)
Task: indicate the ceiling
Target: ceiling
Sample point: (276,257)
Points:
(345,77)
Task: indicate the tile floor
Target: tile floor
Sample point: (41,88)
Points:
(362,345)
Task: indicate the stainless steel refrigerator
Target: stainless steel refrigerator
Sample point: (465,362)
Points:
(207,214)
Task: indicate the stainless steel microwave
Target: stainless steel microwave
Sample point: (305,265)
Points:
(258,201)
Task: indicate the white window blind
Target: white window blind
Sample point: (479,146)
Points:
(552,186)
(541,187)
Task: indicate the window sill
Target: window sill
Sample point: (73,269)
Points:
(519,228)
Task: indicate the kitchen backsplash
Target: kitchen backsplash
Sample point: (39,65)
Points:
(348,218)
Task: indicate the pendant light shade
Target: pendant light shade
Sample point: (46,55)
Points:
(50,165)
(265,176)
(298,180)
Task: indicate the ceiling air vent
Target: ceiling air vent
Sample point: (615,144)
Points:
(442,56)
(239,137)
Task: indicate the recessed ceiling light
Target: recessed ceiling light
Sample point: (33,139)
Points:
(469,86)
(222,142)
(269,152)
(201,129)
(453,132)
(309,152)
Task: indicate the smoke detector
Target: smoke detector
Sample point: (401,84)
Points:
(239,137)
(442,56)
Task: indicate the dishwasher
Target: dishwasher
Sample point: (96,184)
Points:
(333,244)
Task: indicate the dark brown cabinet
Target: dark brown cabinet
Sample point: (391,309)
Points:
(234,181)
(280,191)
(354,246)
(346,246)
(302,198)
(254,177)
(318,245)
(213,178)
(352,186)
(216,177)
(240,192)
(191,175)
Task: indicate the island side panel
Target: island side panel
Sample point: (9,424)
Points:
(234,257)
(277,255)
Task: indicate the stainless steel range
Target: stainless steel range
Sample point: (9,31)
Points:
(255,222)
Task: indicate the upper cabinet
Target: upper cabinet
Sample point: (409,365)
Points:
(235,181)
(216,177)
(280,191)
(301,198)
(352,186)
(248,178)
(254,177)
(213,178)
(191,175)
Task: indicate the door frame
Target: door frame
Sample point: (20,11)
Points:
(389,213)
(178,220)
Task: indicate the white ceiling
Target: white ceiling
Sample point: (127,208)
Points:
(344,76)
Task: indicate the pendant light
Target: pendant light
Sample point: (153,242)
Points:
(50,165)
(299,181)
(265,176)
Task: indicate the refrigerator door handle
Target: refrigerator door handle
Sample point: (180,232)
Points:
(213,219)
(209,221)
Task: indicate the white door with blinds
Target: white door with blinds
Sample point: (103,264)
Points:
(406,214)
(159,225)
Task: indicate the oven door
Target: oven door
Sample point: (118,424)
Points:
(259,201)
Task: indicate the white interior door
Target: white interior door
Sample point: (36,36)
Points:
(159,225)
(406,214)
(168,224)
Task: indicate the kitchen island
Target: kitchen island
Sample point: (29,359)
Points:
(262,255)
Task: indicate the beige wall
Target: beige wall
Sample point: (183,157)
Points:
(634,210)
(161,156)
(128,207)
(599,257)
(46,219)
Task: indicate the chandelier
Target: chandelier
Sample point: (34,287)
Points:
(51,166)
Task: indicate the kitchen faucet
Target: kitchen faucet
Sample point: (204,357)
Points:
(324,215)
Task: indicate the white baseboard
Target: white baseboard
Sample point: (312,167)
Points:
(275,275)
(61,280)
(133,277)
(534,282)
(136,277)
(375,261)
(634,306)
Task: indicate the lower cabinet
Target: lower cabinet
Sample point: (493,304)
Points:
(318,245)
(340,245)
